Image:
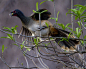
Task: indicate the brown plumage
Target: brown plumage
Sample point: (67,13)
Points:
(31,25)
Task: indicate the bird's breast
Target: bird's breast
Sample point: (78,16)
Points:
(33,27)
(36,31)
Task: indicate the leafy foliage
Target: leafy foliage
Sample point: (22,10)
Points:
(11,30)
(56,19)
(78,12)
(36,40)
(45,1)
(3,48)
(64,26)
(37,9)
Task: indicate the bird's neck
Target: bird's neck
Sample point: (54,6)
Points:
(25,20)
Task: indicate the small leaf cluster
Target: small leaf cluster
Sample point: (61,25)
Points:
(36,41)
(23,46)
(45,1)
(12,30)
(78,12)
(64,26)
(37,9)
(56,19)
(78,32)
(3,48)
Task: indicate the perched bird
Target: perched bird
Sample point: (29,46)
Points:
(31,25)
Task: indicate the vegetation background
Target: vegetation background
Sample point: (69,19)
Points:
(12,55)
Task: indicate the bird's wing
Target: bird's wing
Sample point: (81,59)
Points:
(26,32)
(44,15)
(69,44)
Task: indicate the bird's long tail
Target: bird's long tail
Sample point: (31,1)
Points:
(65,44)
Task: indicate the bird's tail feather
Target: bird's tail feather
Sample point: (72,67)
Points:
(65,44)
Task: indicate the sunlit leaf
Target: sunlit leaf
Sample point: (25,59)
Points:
(3,48)
(50,0)
(67,25)
(28,49)
(37,6)
(34,11)
(52,18)
(79,23)
(47,24)
(44,11)
(10,37)
(85,37)
(43,2)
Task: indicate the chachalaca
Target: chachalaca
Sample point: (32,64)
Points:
(32,25)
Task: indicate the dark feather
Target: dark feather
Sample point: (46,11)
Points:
(44,16)
(67,44)
(26,32)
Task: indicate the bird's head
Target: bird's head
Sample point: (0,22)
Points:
(16,12)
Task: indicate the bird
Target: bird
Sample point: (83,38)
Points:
(31,25)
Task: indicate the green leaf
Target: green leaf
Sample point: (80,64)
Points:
(47,44)
(16,26)
(64,39)
(36,40)
(50,0)
(62,26)
(82,42)
(57,17)
(85,37)
(12,29)
(67,25)
(16,44)
(52,18)
(77,31)
(44,11)
(47,24)
(22,45)
(37,6)
(4,37)
(79,23)
(70,29)
(85,21)
(78,5)
(34,11)
(28,49)
(69,35)
(85,25)
(22,64)
(76,17)
(3,48)
(23,42)
(7,29)
(74,10)
(10,37)
(43,2)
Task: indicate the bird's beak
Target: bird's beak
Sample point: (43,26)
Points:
(11,14)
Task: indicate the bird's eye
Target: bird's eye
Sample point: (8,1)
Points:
(14,11)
